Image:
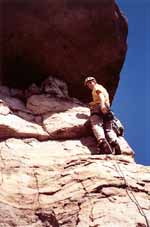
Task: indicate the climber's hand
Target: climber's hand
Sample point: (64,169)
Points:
(104,109)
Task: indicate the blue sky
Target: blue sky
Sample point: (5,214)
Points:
(131,103)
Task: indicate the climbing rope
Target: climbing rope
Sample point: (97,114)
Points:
(133,198)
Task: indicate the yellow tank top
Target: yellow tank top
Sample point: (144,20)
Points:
(96,98)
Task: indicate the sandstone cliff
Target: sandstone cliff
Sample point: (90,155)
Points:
(51,173)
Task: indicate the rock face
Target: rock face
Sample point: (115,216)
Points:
(61,184)
(51,174)
(69,39)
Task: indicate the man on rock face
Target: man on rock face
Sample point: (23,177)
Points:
(101,117)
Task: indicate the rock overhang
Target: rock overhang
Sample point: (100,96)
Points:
(68,39)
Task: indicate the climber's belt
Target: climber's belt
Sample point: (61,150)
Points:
(94,113)
(107,117)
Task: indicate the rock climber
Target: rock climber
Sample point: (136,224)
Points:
(101,118)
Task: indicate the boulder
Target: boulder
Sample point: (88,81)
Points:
(4,109)
(55,87)
(68,39)
(13,126)
(41,104)
(13,103)
(68,124)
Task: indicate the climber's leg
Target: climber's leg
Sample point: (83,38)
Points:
(97,127)
(112,137)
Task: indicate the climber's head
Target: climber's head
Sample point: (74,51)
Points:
(90,82)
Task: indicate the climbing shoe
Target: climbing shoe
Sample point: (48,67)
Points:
(115,147)
(104,147)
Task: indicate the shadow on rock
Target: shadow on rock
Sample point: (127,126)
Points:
(90,143)
(48,218)
(82,116)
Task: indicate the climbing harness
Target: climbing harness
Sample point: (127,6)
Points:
(133,198)
(116,123)
(117,126)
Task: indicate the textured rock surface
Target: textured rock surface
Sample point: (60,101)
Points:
(72,123)
(14,126)
(48,104)
(61,184)
(65,182)
(69,39)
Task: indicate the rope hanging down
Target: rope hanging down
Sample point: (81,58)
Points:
(133,198)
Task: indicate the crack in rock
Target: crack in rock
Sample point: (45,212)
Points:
(47,217)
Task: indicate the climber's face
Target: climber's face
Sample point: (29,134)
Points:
(91,84)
